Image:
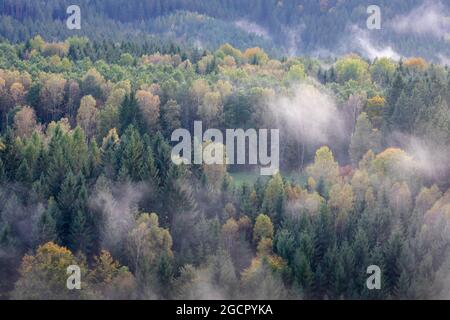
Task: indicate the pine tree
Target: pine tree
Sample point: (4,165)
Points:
(131,155)
(392,268)
(130,115)
(58,165)
(363,139)
(303,273)
(23,173)
(323,234)
(223,274)
(151,172)
(165,276)
(2,172)
(47,225)
(274,198)
(392,97)
(161,152)
(66,200)
(78,233)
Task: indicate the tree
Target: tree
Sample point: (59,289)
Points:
(341,201)
(295,74)
(147,243)
(116,97)
(323,233)
(186,284)
(92,84)
(170,117)
(256,56)
(52,95)
(211,108)
(25,122)
(109,280)
(406,110)
(392,268)
(382,71)
(364,138)
(303,273)
(23,173)
(130,114)
(352,67)
(47,223)
(108,119)
(324,167)
(230,234)
(394,93)
(285,244)
(72,224)
(274,198)
(73,97)
(223,274)
(131,156)
(263,228)
(87,115)
(260,282)
(375,110)
(149,105)
(198,90)
(17,92)
(394,163)
(416,63)
(44,275)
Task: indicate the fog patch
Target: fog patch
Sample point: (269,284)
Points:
(310,114)
(430,19)
(252,27)
(362,42)
(119,207)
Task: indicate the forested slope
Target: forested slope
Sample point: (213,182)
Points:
(281,27)
(87,179)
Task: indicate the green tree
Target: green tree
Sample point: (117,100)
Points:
(47,223)
(263,228)
(364,138)
(274,198)
(44,275)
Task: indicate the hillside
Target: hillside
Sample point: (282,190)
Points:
(282,27)
(228,149)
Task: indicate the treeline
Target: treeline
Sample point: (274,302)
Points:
(87,178)
(292,26)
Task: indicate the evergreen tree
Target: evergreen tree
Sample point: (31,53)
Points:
(47,225)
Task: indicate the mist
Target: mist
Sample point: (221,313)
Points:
(363,43)
(429,19)
(252,27)
(429,159)
(119,207)
(309,114)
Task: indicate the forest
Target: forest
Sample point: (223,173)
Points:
(87,179)
(326,28)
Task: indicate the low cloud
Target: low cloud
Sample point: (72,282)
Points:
(443,59)
(372,51)
(309,114)
(430,160)
(365,45)
(252,27)
(431,18)
(118,205)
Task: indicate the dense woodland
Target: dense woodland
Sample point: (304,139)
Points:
(86,175)
(280,27)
